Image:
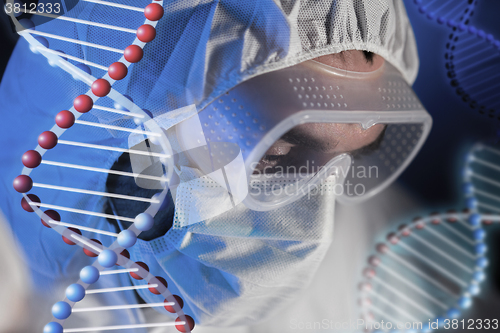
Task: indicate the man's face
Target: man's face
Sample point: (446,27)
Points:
(323,141)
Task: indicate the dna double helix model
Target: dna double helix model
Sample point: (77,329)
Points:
(99,96)
(429,270)
(472,56)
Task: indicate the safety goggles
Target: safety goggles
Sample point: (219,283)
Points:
(297,126)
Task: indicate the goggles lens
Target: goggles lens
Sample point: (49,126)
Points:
(301,159)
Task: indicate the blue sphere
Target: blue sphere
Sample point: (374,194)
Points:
(462,27)
(479,234)
(164,204)
(138,121)
(468,188)
(497,44)
(144,222)
(475,219)
(441,20)
(53,327)
(61,310)
(451,23)
(89,274)
(466,174)
(120,107)
(126,238)
(20,12)
(474,289)
(472,30)
(481,34)
(107,258)
(53,63)
(440,321)
(42,41)
(471,203)
(464,302)
(84,68)
(482,262)
(479,276)
(27,23)
(453,313)
(480,248)
(75,292)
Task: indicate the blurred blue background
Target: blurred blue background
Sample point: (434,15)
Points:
(435,174)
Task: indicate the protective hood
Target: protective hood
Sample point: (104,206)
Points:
(205,48)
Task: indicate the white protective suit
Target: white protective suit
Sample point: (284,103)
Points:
(205,48)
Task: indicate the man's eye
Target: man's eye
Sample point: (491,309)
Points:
(272,158)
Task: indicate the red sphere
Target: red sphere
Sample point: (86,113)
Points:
(31,159)
(121,261)
(83,103)
(133,53)
(158,280)
(405,231)
(392,238)
(47,140)
(146,33)
(126,254)
(382,248)
(141,264)
(374,261)
(117,70)
(65,119)
(23,183)
(53,215)
(100,87)
(419,223)
(189,323)
(452,219)
(369,273)
(153,12)
(178,300)
(365,286)
(435,218)
(90,252)
(365,302)
(26,206)
(68,240)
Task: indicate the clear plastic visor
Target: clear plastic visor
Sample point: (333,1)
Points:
(364,161)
